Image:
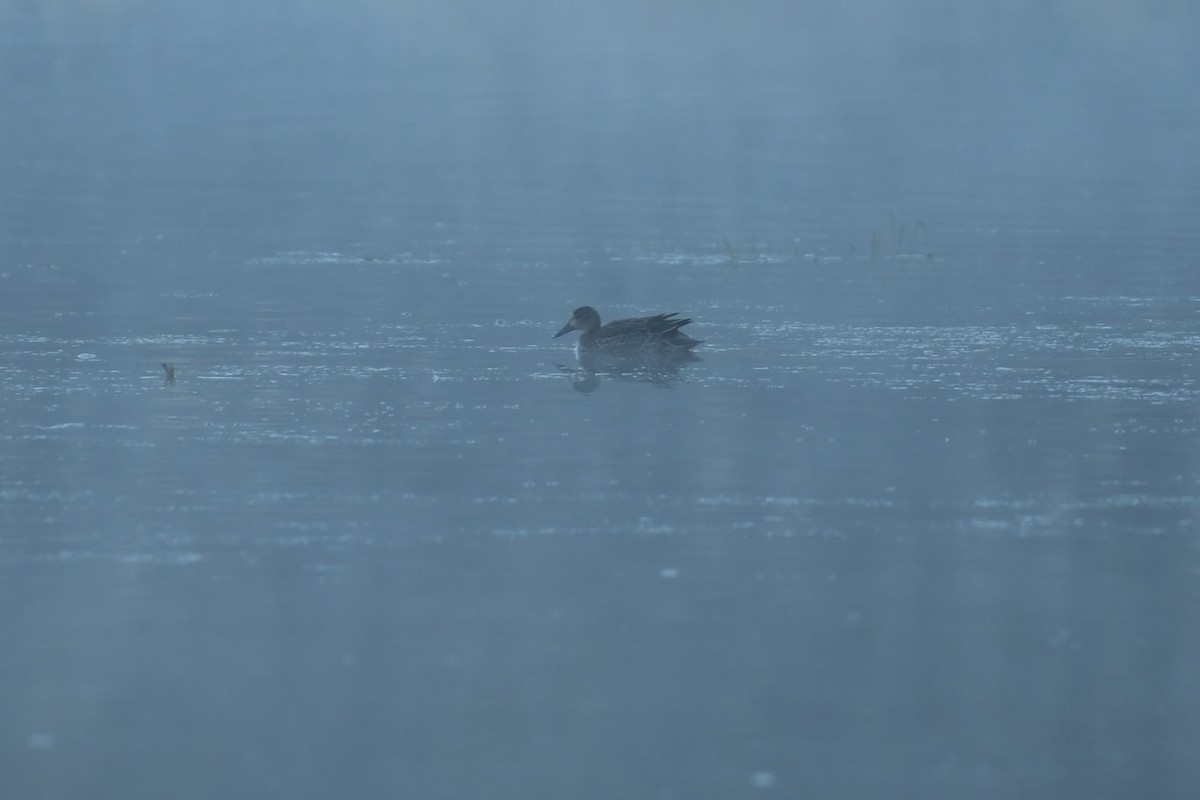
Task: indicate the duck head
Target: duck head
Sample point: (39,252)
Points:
(584,318)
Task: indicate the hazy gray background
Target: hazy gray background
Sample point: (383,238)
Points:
(921,523)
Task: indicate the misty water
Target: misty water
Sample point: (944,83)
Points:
(921,521)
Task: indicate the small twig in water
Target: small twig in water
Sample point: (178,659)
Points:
(733,259)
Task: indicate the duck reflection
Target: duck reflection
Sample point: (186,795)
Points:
(654,368)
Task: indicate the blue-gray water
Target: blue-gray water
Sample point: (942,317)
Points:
(922,522)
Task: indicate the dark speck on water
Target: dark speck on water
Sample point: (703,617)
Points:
(913,521)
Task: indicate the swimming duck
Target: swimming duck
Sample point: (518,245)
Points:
(657,334)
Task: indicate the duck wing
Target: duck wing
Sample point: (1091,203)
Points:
(661,330)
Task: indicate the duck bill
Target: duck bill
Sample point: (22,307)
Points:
(565,329)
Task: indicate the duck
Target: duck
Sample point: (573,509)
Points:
(658,334)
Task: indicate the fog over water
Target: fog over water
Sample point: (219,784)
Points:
(920,521)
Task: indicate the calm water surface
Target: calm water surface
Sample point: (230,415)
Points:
(920,522)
